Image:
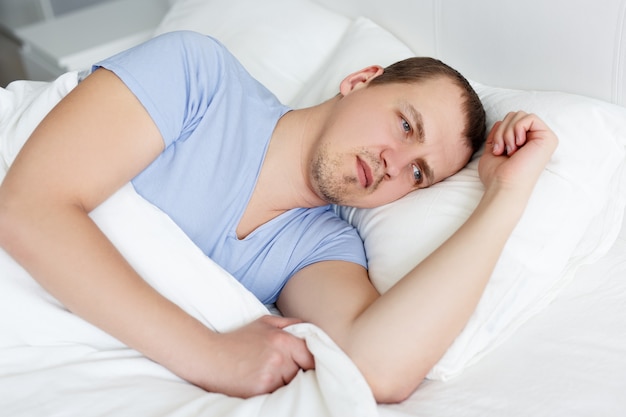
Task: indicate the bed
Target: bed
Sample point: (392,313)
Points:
(548,338)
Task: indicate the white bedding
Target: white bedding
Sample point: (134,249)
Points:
(567,361)
(564,358)
(70,367)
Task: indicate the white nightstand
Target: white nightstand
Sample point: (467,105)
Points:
(76,40)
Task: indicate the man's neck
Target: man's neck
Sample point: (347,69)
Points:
(284,182)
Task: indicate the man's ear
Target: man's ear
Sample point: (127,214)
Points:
(359,79)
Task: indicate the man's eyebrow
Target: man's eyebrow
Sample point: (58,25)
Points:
(418,123)
(416,120)
(427,171)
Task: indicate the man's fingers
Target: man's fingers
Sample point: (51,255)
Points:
(298,349)
(302,356)
(510,134)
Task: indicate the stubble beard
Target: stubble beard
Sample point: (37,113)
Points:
(332,188)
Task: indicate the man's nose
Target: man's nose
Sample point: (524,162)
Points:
(394,161)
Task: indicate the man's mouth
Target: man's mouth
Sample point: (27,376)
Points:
(364,173)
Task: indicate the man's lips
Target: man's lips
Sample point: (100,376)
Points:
(364,173)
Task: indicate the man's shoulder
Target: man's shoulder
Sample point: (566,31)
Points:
(189,38)
(326,236)
(195,49)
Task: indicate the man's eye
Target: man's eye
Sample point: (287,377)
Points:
(406,126)
(417,174)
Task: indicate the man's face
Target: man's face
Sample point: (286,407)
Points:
(384,141)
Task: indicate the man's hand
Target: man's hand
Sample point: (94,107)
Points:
(256,359)
(517,150)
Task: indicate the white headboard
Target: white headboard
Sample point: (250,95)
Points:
(576,46)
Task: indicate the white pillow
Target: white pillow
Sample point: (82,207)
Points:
(280,42)
(365,43)
(572,218)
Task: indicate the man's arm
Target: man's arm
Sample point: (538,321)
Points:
(396,338)
(93,142)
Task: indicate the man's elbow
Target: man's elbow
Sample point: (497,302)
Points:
(393,388)
(6,222)
(12,220)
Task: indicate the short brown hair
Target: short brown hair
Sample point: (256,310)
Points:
(418,69)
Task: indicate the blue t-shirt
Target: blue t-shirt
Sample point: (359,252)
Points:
(216,121)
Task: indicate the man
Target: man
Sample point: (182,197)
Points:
(199,138)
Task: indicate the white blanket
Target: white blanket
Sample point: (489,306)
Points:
(54,363)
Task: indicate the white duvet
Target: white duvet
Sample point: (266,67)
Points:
(53,363)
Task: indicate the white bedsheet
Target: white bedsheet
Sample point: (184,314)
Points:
(569,360)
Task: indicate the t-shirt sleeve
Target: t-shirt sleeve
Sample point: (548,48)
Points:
(326,238)
(174,76)
(341,242)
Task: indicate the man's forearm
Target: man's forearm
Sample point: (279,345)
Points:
(70,257)
(418,319)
